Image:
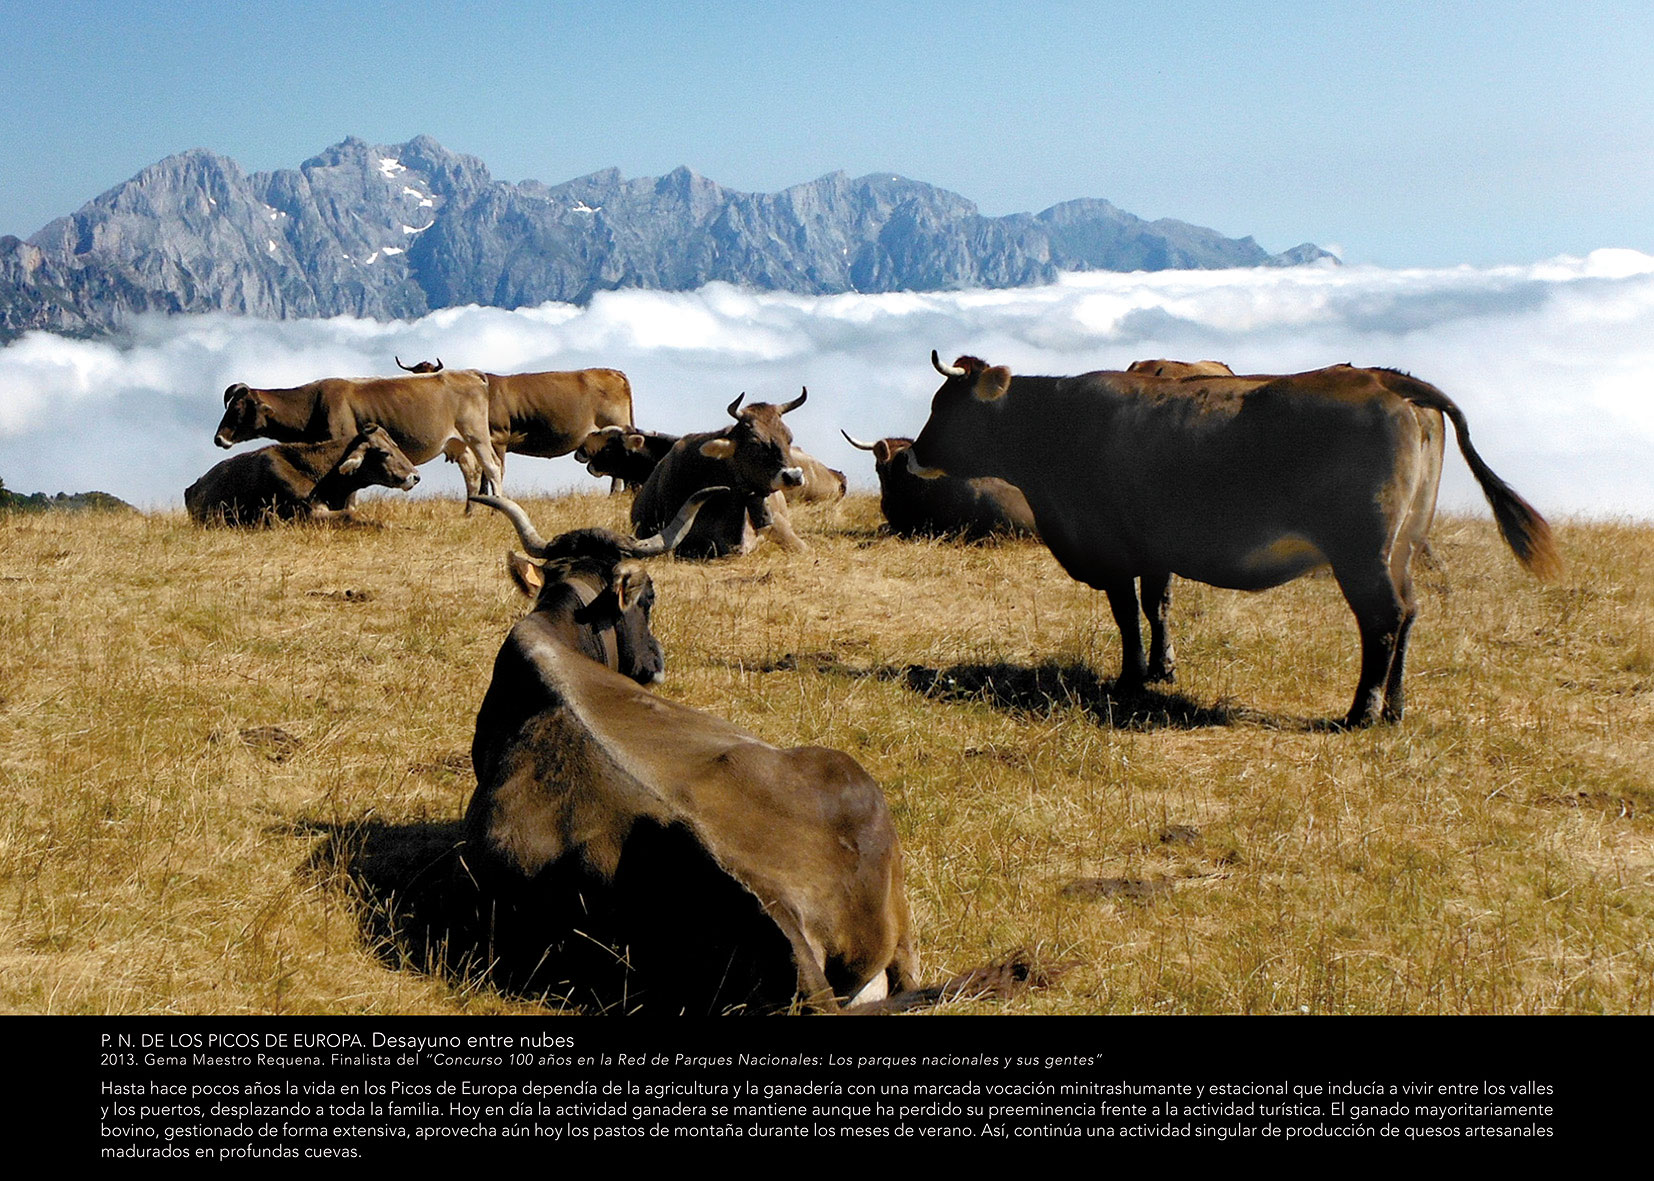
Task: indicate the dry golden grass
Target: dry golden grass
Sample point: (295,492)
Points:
(204,728)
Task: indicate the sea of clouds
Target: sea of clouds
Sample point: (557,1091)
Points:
(1553,363)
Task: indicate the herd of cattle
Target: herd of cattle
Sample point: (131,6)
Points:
(596,799)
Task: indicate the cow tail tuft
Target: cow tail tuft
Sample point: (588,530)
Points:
(1526,532)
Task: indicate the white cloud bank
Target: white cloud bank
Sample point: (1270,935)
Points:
(1553,364)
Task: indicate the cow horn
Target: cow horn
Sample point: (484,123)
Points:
(438,368)
(532,541)
(736,404)
(945,370)
(399,364)
(855,442)
(803,393)
(668,538)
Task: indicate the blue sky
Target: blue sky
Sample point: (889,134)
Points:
(1403,134)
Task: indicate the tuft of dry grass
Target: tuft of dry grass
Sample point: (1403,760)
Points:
(233,765)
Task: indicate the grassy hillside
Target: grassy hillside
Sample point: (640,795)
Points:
(224,753)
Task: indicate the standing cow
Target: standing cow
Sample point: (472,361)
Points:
(549,414)
(426,415)
(1236,482)
(753,458)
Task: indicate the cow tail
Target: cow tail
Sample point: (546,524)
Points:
(1524,530)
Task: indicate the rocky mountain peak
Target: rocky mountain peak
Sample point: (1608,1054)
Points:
(397,230)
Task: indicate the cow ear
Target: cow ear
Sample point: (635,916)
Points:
(882,452)
(630,580)
(635,442)
(991,384)
(353,461)
(719,448)
(527,576)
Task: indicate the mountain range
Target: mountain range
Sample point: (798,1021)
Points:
(397,231)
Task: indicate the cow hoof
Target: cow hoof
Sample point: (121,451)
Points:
(1356,721)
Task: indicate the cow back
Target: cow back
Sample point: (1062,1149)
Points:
(549,414)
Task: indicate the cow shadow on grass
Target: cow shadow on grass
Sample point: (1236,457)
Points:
(1051,686)
(558,942)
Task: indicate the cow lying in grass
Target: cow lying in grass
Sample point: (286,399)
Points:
(669,859)
(298,481)
(631,455)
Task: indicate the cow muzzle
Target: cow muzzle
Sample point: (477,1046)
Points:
(407,485)
(788,477)
(223,440)
(924,473)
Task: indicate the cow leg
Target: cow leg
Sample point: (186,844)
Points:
(1382,617)
(1122,600)
(1157,603)
(1395,700)
(492,463)
(458,453)
(813,987)
(775,524)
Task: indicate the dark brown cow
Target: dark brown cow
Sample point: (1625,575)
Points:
(944,506)
(725,871)
(1237,482)
(631,455)
(624,453)
(426,415)
(1181,368)
(298,481)
(753,458)
(421,366)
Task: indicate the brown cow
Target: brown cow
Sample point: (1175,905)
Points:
(550,414)
(298,481)
(426,415)
(944,506)
(821,483)
(725,872)
(753,458)
(1181,368)
(1237,482)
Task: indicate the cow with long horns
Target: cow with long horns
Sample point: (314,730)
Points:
(1241,482)
(753,458)
(665,858)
